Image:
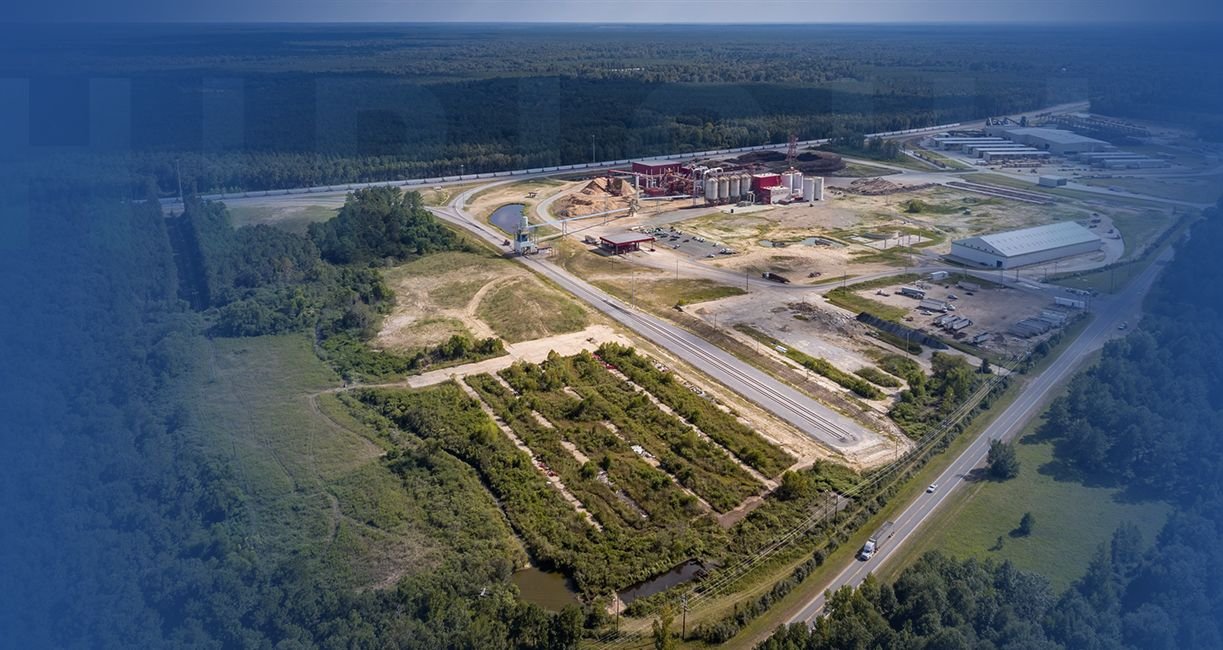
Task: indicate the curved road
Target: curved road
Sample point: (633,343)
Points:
(806,414)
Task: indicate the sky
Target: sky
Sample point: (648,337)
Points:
(626,11)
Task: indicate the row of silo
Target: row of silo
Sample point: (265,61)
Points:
(726,187)
(792,180)
(813,188)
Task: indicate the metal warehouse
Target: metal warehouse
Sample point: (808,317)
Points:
(1055,141)
(1015,248)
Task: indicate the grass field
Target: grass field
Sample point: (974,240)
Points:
(525,310)
(666,293)
(860,170)
(845,298)
(986,178)
(294,219)
(1072,519)
(1117,278)
(438,292)
(1197,189)
(951,163)
(312,475)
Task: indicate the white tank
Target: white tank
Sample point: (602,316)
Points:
(735,187)
(819,188)
(809,189)
(724,188)
(793,181)
(711,188)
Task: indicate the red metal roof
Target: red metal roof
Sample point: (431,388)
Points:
(622,238)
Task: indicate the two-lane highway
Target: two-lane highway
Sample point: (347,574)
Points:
(816,419)
(1110,313)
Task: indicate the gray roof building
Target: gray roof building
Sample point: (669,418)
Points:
(1027,246)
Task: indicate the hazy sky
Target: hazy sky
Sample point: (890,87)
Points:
(602,11)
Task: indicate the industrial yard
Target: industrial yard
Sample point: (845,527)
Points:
(783,265)
(849,283)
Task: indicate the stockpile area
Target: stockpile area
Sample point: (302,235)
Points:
(810,163)
(598,195)
(880,187)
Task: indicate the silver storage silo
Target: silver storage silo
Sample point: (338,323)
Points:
(809,189)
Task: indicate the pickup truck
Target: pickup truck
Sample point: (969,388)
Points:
(872,545)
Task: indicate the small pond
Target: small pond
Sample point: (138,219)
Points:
(507,217)
(677,576)
(550,590)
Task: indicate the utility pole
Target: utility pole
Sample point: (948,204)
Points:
(178,173)
(592,149)
(677,268)
(745,276)
(684,626)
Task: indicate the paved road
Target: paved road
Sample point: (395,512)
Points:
(1109,314)
(808,415)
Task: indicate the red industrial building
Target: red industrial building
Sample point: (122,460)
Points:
(764,182)
(625,242)
(657,167)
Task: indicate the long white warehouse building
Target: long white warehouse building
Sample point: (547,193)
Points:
(1015,248)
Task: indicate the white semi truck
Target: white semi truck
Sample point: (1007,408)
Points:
(877,540)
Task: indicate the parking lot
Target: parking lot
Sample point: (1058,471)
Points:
(688,244)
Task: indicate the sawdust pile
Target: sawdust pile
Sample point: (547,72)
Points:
(598,195)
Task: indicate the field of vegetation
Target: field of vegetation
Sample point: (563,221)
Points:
(650,465)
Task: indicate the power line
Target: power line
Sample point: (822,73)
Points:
(710,589)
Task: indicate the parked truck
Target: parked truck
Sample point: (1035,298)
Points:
(769,275)
(877,540)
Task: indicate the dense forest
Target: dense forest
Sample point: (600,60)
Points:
(120,530)
(258,280)
(253,108)
(1148,417)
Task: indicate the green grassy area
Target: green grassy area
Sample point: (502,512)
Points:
(1072,519)
(294,220)
(514,292)
(898,256)
(524,310)
(845,298)
(861,170)
(1138,229)
(1006,181)
(1196,189)
(1118,277)
(859,385)
(443,194)
(901,160)
(311,473)
(950,163)
(667,293)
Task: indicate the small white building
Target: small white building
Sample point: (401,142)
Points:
(1015,248)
